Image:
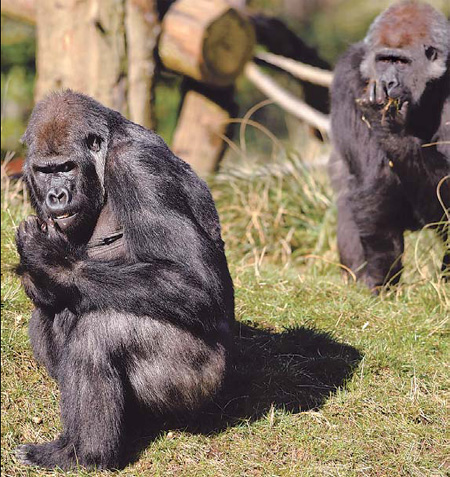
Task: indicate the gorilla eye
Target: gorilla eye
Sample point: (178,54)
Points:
(66,167)
(93,142)
(431,53)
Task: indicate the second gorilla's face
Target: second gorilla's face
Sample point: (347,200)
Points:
(401,73)
(407,48)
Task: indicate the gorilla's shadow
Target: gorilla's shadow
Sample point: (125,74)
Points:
(295,370)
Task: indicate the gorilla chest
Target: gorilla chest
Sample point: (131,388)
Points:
(107,241)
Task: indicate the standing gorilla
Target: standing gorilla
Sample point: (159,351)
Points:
(126,267)
(390,131)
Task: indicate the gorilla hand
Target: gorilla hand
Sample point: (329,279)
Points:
(41,244)
(46,260)
(382,113)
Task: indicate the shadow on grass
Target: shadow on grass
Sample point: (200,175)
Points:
(295,370)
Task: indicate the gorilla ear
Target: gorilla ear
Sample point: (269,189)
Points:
(94,142)
(25,139)
(431,53)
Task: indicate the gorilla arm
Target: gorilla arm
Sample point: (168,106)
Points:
(175,269)
(56,276)
(420,166)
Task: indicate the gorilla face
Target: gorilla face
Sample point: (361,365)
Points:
(407,48)
(64,184)
(402,73)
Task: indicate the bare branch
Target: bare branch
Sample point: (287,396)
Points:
(301,71)
(286,100)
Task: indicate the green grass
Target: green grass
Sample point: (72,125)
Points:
(329,380)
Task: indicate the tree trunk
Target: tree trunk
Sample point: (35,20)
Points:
(142,30)
(81,45)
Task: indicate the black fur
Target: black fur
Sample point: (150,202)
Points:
(389,100)
(133,311)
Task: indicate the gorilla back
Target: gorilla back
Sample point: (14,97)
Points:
(126,268)
(390,117)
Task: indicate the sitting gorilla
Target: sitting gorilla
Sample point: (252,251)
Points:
(390,133)
(126,268)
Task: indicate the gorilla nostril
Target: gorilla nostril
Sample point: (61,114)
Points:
(391,85)
(62,195)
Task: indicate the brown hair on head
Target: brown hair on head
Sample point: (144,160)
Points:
(403,25)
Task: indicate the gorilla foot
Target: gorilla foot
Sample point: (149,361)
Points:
(48,455)
(63,455)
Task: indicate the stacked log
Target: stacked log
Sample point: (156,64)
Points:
(207,40)
(210,42)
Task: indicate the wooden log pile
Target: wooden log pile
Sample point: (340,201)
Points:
(109,54)
(210,42)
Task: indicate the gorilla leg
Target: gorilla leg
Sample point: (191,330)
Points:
(167,369)
(92,408)
(42,341)
(383,251)
(92,412)
(172,370)
(351,251)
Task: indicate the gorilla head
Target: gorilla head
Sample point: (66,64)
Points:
(66,174)
(408,46)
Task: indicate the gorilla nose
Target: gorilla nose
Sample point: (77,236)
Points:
(57,199)
(392,89)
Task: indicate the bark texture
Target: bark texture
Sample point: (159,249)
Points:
(142,30)
(81,45)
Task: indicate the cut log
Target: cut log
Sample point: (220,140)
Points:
(207,40)
(198,138)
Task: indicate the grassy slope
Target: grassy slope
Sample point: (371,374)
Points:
(367,399)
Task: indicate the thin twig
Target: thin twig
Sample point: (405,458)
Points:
(333,263)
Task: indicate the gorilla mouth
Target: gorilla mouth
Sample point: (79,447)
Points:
(64,221)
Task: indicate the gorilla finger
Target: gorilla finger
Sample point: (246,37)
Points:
(372,91)
(404,109)
(51,226)
(54,230)
(42,224)
(380,93)
(33,222)
(21,229)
